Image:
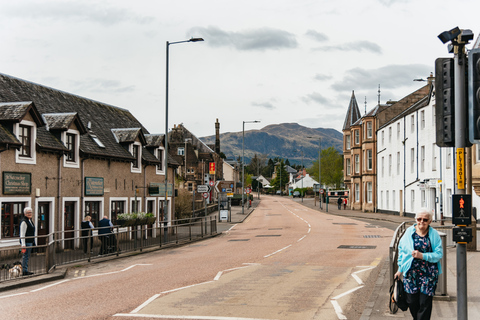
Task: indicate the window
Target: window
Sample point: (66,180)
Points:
(25,137)
(398,163)
(383,167)
(135,153)
(117,207)
(181,151)
(422,159)
(389,164)
(412,201)
(398,130)
(357,192)
(12,214)
(357,163)
(160,158)
(369,160)
(393,199)
(412,160)
(434,157)
(422,119)
(190,187)
(423,200)
(390,134)
(369,129)
(136,150)
(92,208)
(387,196)
(347,142)
(369,192)
(70,144)
(412,124)
(347,166)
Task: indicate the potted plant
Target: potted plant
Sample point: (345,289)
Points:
(151,218)
(141,218)
(126,219)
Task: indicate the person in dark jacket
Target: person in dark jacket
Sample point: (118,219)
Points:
(87,227)
(339,202)
(104,231)
(27,240)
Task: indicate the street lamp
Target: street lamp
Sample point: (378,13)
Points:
(166,119)
(319,158)
(243,161)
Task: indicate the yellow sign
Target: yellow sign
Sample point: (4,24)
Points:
(460,168)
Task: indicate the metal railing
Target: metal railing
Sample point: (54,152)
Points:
(63,248)
(393,254)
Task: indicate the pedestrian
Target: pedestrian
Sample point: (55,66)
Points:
(339,202)
(27,238)
(87,227)
(104,230)
(419,254)
(345,203)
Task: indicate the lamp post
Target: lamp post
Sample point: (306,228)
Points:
(166,119)
(319,176)
(303,176)
(243,161)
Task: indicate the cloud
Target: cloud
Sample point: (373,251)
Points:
(389,77)
(254,39)
(320,37)
(265,105)
(101,85)
(73,11)
(322,77)
(353,46)
(315,97)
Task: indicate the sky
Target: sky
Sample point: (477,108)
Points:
(273,61)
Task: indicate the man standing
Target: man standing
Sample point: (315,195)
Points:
(104,230)
(87,227)
(27,238)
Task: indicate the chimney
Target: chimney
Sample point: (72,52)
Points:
(217,137)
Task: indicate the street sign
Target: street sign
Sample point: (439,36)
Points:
(461,209)
(205,195)
(202,188)
(211,183)
(321,191)
(225,186)
(248,190)
(230,195)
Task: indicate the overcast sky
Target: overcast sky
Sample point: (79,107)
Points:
(275,61)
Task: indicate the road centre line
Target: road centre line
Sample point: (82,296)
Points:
(271,254)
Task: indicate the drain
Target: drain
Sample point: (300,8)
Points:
(269,235)
(239,240)
(371,236)
(355,247)
(345,223)
(275,229)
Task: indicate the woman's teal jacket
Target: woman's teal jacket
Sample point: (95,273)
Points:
(405,248)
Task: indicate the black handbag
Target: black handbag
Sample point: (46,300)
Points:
(398,297)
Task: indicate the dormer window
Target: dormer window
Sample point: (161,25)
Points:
(71,140)
(181,151)
(26,133)
(136,151)
(160,156)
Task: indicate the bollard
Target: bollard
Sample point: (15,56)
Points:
(442,279)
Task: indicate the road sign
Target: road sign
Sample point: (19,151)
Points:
(205,195)
(321,191)
(202,188)
(248,190)
(211,183)
(225,186)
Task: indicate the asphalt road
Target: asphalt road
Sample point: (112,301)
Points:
(285,261)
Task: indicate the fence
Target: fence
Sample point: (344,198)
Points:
(63,248)
(444,232)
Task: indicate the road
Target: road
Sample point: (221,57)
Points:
(285,261)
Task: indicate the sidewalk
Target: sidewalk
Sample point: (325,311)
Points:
(444,307)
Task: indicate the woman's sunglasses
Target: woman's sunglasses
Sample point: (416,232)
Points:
(422,219)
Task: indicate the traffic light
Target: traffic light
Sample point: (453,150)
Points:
(474,95)
(445,102)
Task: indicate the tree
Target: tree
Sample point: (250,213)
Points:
(183,204)
(256,165)
(281,178)
(331,166)
(268,170)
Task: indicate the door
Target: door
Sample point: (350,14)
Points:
(43,222)
(69,224)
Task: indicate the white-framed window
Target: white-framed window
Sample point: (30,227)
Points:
(347,142)
(135,206)
(393,199)
(412,200)
(422,159)
(357,192)
(369,129)
(381,199)
(357,137)
(389,164)
(180,151)
(383,138)
(422,197)
(117,206)
(412,123)
(412,160)
(26,132)
(383,167)
(387,198)
(398,163)
(357,163)
(136,151)
(369,159)
(434,157)
(347,166)
(71,139)
(448,161)
(422,119)
(398,130)
(159,152)
(390,134)
(369,192)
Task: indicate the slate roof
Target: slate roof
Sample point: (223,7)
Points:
(6,137)
(101,117)
(353,113)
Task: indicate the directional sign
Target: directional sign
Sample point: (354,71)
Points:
(203,188)
(225,186)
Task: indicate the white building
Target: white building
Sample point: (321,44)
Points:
(412,171)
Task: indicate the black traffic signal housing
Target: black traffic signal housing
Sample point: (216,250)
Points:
(445,102)
(474,95)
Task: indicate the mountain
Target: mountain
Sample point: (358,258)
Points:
(286,140)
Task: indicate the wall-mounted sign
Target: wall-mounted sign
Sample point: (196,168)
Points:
(94,186)
(161,189)
(17,183)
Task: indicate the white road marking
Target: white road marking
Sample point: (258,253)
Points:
(158,316)
(271,254)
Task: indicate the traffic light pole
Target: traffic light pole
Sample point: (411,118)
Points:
(460,144)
